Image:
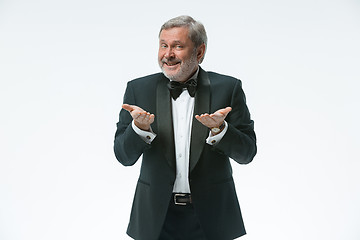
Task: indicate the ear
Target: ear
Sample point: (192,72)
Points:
(200,53)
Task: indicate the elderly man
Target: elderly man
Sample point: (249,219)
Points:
(187,123)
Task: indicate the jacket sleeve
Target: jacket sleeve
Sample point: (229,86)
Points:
(239,141)
(128,145)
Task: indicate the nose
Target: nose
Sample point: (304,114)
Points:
(169,53)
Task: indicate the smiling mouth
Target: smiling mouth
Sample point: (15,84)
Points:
(171,64)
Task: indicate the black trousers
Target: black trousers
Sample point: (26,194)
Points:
(181,223)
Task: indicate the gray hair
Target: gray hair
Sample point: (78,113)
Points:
(197,32)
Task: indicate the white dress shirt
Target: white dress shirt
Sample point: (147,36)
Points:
(182,113)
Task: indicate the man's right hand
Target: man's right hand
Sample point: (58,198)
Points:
(142,119)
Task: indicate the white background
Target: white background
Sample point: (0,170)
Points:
(63,71)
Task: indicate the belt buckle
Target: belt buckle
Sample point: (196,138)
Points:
(179,195)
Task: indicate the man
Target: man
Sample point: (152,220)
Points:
(185,188)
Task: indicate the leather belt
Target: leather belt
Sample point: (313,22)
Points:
(182,199)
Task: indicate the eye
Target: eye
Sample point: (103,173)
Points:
(179,46)
(163,45)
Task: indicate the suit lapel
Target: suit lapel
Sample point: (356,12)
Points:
(199,132)
(163,116)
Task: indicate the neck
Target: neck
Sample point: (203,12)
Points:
(193,75)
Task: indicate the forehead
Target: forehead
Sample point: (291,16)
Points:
(175,34)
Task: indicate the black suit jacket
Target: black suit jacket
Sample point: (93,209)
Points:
(211,183)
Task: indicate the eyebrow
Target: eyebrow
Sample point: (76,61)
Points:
(176,41)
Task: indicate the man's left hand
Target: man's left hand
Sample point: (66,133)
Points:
(215,119)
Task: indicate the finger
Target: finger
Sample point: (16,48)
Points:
(201,120)
(207,120)
(147,117)
(151,119)
(141,117)
(135,116)
(217,115)
(206,117)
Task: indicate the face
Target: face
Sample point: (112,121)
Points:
(178,58)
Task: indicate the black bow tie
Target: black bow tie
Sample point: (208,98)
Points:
(176,88)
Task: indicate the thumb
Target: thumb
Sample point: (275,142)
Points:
(127,107)
(225,111)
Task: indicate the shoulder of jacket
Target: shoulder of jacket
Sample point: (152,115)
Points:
(148,78)
(222,77)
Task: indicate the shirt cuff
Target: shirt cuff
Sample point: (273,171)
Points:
(148,137)
(215,139)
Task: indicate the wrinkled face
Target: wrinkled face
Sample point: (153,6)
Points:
(178,59)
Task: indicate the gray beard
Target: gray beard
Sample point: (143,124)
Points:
(185,70)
